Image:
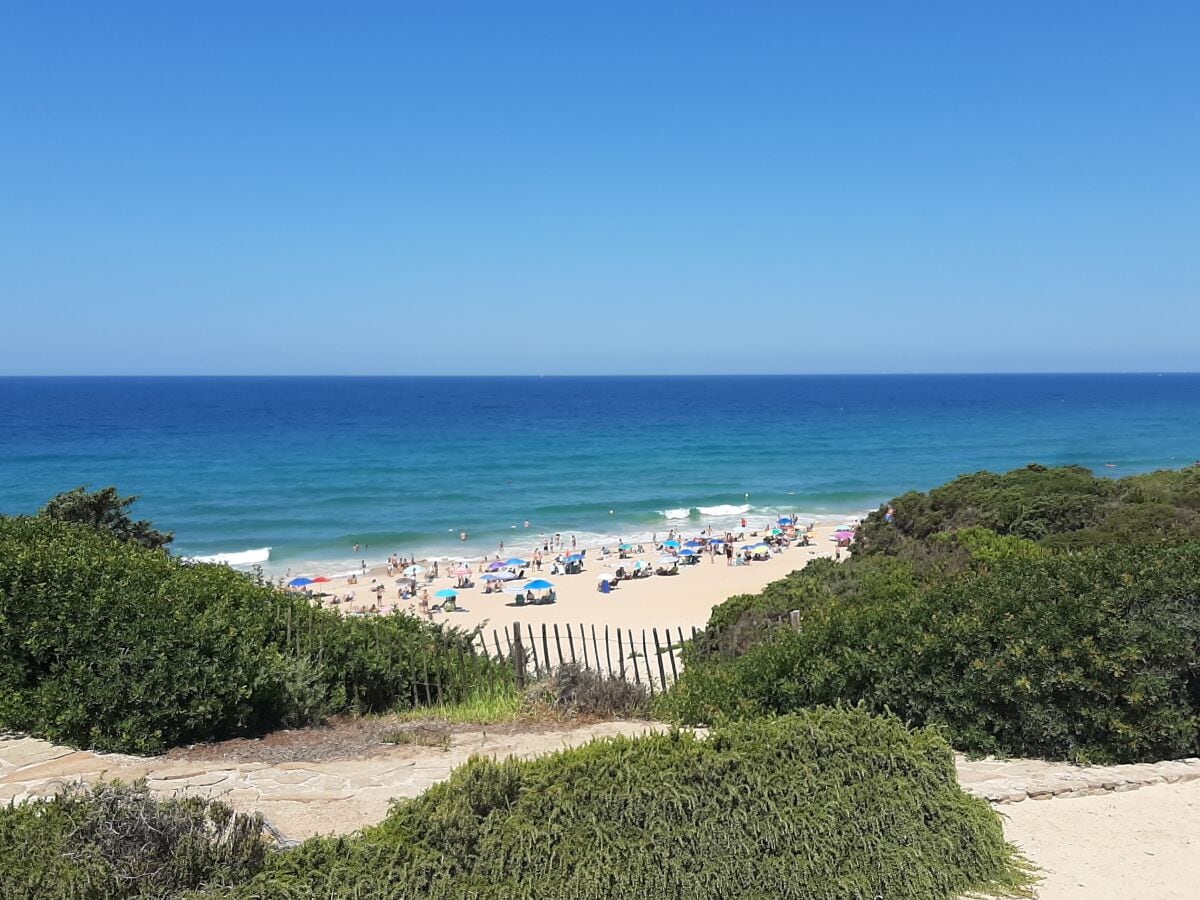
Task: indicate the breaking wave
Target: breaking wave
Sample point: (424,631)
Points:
(240,558)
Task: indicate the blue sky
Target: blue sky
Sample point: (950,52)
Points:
(603,187)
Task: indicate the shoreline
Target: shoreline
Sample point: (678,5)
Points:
(684,600)
(518,540)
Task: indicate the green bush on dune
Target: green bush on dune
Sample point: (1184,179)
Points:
(1065,648)
(831,804)
(107,644)
(827,804)
(117,841)
(1066,507)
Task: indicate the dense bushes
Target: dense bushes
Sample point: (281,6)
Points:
(107,644)
(829,804)
(1090,655)
(117,841)
(1063,507)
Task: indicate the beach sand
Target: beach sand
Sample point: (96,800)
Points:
(677,601)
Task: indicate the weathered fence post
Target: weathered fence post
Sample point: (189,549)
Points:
(662,669)
(607,650)
(546,648)
(633,657)
(794,616)
(518,655)
(537,663)
(620,652)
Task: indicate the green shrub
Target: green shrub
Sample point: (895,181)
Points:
(116,841)
(1064,507)
(827,804)
(1092,655)
(107,644)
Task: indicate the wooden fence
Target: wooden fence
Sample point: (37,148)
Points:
(646,657)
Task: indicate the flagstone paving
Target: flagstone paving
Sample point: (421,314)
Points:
(339,795)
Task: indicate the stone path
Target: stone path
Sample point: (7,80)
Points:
(337,796)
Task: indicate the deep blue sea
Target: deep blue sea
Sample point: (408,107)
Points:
(310,466)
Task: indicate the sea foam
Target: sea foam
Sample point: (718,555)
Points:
(240,558)
(723,510)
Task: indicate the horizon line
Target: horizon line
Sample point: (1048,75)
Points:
(600,374)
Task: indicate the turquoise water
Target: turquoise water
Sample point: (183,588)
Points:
(307,467)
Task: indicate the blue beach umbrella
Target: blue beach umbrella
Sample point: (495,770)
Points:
(516,562)
(575,557)
(694,543)
(446,592)
(687,552)
(625,546)
(786,520)
(299,582)
(670,543)
(539,584)
(716,540)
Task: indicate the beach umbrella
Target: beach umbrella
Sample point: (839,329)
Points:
(687,552)
(670,543)
(694,543)
(716,540)
(786,520)
(668,561)
(624,546)
(461,570)
(514,589)
(776,531)
(515,561)
(539,584)
(299,582)
(575,557)
(414,570)
(446,592)
(320,579)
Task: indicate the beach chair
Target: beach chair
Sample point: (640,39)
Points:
(520,599)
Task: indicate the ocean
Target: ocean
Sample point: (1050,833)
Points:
(291,473)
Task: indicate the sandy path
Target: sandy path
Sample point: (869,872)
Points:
(1137,845)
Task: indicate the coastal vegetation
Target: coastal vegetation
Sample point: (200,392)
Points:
(1045,612)
(105,509)
(830,803)
(119,841)
(107,644)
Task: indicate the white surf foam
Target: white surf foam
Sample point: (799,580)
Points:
(240,558)
(724,510)
(681,513)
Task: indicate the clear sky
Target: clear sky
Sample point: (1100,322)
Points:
(561,187)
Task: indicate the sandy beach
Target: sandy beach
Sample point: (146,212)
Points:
(675,601)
